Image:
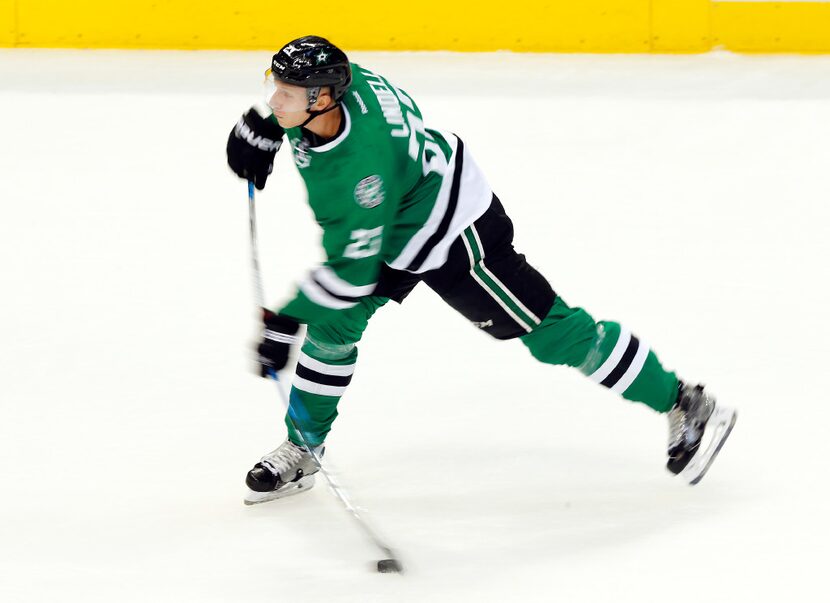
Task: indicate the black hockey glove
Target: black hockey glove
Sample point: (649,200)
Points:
(278,335)
(252,145)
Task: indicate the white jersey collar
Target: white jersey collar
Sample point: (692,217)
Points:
(336,141)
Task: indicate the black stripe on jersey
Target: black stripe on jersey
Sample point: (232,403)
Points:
(321,378)
(624,363)
(345,298)
(444,226)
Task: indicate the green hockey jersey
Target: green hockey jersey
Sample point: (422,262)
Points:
(386,189)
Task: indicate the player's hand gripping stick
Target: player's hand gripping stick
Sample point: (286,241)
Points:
(252,145)
(278,335)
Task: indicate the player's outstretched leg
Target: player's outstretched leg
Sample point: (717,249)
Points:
(606,352)
(495,288)
(610,355)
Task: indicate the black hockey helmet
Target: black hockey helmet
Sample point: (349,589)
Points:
(313,62)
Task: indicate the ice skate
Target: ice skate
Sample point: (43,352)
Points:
(698,428)
(286,471)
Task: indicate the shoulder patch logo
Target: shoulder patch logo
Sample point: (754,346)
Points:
(369,192)
(301,155)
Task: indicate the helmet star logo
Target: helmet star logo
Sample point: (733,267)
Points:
(322,57)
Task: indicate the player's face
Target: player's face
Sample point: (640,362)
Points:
(289,103)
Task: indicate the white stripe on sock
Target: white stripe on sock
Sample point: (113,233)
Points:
(327,369)
(317,388)
(614,359)
(636,366)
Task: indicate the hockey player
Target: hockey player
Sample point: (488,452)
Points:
(401,204)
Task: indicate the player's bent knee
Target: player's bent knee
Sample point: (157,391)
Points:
(327,351)
(565,336)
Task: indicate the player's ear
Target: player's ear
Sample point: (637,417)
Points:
(324,100)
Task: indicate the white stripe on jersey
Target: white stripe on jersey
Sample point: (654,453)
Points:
(474,197)
(321,297)
(334,284)
(413,246)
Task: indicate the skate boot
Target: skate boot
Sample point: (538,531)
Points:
(698,428)
(286,471)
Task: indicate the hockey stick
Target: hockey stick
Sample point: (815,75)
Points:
(391,562)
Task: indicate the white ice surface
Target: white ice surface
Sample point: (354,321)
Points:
(684,196)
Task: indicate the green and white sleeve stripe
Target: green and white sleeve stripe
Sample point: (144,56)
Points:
(326,289)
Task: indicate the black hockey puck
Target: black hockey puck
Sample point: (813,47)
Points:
(387,566)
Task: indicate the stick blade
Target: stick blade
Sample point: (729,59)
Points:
(390,566)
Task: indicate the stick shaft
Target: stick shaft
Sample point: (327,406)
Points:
(259,293)
(334,486)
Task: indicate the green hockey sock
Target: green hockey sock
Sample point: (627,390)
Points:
(606,352)
(323,373)
(324,369)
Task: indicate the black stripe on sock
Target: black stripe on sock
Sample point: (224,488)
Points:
(321,378)
(625,362)
(444,226)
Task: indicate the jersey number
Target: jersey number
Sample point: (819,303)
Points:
(365,243)
(432,159)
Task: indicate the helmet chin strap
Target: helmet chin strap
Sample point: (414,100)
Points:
(313,114)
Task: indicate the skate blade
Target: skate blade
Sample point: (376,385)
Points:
(717,430)
(298,487)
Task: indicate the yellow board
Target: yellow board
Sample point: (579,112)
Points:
(771,26)
(579,25)
(8,22)
(461,25)
(681,26)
